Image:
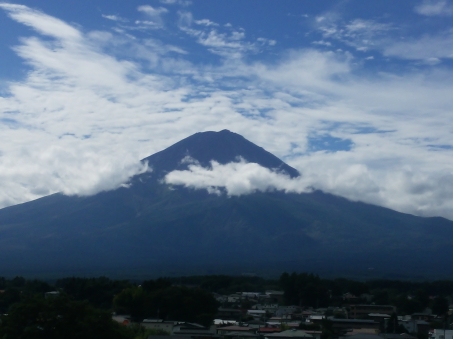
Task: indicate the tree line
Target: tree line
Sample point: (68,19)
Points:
(305,289)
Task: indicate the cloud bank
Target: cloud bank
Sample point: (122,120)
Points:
(237,178)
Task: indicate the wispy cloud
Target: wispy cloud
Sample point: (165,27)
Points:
(435,8)
(176,2)
(427,47)
(114,17)
(365,35)
(206,22)
(230,44)
(41,22)
(154,15)
(358,33)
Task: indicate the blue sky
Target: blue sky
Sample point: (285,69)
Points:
(357,95)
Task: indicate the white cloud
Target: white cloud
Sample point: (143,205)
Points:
(185,19)
(154,14)
(176,2)
(322,43)
(365,35)
(114,17)
(264,41)
(41,22)
(237,178)
(358,33)
(435,8)
(206,22)
(404,186)
(231,46)
(151,11)
(427,47)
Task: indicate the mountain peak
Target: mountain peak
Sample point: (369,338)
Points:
(223,146)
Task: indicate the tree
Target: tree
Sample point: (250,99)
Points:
(58,318)
(171,303)
(440,306)
(328,332)
(393,325)
(135,301)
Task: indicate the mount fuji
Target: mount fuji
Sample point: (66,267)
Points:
(150,227)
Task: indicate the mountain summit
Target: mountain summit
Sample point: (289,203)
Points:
(223,147)
(152,228)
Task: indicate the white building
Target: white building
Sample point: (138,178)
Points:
(442,334)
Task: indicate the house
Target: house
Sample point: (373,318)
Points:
(223,322)
(193,330)
(423,316)
(442,334)
(314,334)
(291,312)
(241,335)
(350,298)
(229,313)
(277,297)
(122,319)
(381,317)
(268,330)
(355,331)
(362,311)
(181,337)
(257,314)
(233,328)
(354,324)
(52,294)
(158,324)
(271,308)
(315,318)
(397,336)
(362,336)
(256,324)
(289,334)
(254,295)
(415,326)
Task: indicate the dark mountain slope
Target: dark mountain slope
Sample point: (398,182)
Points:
(158,228)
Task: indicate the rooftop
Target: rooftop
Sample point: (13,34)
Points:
(291,334)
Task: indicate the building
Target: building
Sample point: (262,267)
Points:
(257,314)
(237,329)
(289,334)
(193,330)
(345,324)
(158,324)
(229,313)
(276,297)
(362,311)
(442,334)
(423,316)
(415,326)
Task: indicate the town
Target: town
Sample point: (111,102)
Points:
(227,307)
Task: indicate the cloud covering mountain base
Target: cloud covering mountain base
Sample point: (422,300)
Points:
(236,178)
